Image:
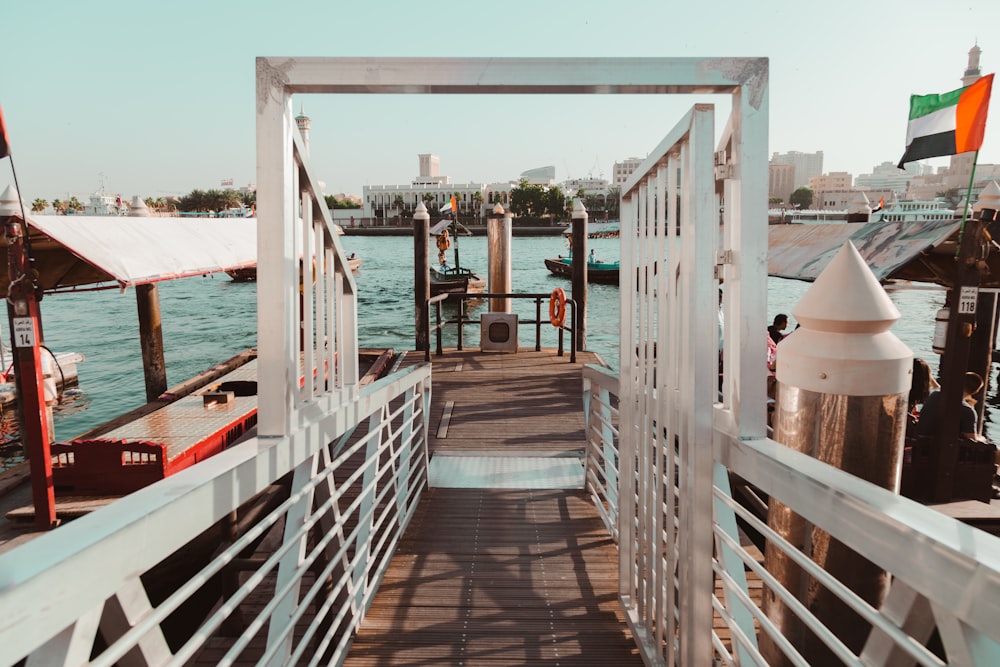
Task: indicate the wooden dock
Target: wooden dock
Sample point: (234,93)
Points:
(513,574)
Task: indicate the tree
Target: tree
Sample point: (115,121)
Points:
(477,198)
(39,205)
(59,206)
(802,198)
(614,203)
(774,200)
(399,203)
(74,204)
(953,197)
(527,200)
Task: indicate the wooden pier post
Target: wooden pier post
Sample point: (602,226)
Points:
(579,293)
(421,274)
(987,211)
(498,234)
(154,366)
(24,320)
(843,380)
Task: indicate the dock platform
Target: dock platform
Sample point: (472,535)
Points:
(506,561)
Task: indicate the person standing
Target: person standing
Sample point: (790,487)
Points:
(779,324)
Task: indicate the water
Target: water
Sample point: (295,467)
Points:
(207,320)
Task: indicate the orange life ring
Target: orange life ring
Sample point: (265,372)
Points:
(557,307)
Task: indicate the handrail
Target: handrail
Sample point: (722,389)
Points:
(439,324)
(50,587)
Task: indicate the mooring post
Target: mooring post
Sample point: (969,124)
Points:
(580,260)
(843,380)
(421,274)
(154,367)
(987,212)
(498,233)
(24,319)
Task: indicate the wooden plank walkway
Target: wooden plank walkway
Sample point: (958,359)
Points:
(501,576)
(529,402)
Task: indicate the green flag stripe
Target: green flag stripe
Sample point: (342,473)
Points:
(921,105)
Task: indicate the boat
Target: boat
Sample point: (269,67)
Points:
(913,211)
(445,278)
(248,274)
(605,273)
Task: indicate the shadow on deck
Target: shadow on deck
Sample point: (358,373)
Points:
(514,574)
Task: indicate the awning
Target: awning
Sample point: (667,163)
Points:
(919,251)
(95,252)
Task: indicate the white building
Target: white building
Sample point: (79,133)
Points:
(383,203)
(622,170)
(806,166)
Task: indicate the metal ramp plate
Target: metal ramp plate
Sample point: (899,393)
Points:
(506,472)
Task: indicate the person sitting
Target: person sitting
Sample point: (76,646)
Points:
(968,421)
(779,324)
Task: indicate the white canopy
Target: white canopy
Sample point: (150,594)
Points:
(73,251)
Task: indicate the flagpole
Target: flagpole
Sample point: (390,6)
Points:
(968,203)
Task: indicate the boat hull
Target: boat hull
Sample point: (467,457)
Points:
(604,276)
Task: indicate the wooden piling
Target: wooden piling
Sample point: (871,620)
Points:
(843,381)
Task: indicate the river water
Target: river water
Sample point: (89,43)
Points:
(207,320)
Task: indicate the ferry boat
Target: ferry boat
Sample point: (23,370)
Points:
(912,211)
(104,204)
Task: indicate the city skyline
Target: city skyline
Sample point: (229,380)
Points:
(155,103)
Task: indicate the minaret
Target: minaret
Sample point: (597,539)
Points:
(961,164)
(302,120)
(972,72)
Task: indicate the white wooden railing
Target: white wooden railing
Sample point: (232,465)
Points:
(147,573)
(692,222)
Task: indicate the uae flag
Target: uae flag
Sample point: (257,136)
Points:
(949,123)
(4,141)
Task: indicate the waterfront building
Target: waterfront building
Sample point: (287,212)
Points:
(622,170)
(887,176)
(781,181)
(806,165)
(835,180)
(543,176)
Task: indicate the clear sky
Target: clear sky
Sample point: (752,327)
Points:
(157,98)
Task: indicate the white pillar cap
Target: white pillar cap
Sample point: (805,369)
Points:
(844,345)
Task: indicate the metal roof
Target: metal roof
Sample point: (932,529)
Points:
(75,252)
(919,251)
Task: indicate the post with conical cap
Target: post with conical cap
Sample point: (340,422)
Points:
(580,259)
(498,231)
(843,380)
(421,275)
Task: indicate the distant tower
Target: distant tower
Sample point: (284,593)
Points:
(303,121)
(961,164)
(972,71)
(429,165)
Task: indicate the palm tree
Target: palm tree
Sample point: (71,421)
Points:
(39,205)
(477,198)
(398,203)
(58,206)
(74,204)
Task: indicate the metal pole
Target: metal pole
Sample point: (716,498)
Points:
(843,380)
(580,259)
(421,274)
(498,240)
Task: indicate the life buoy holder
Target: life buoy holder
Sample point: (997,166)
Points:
(557,307)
